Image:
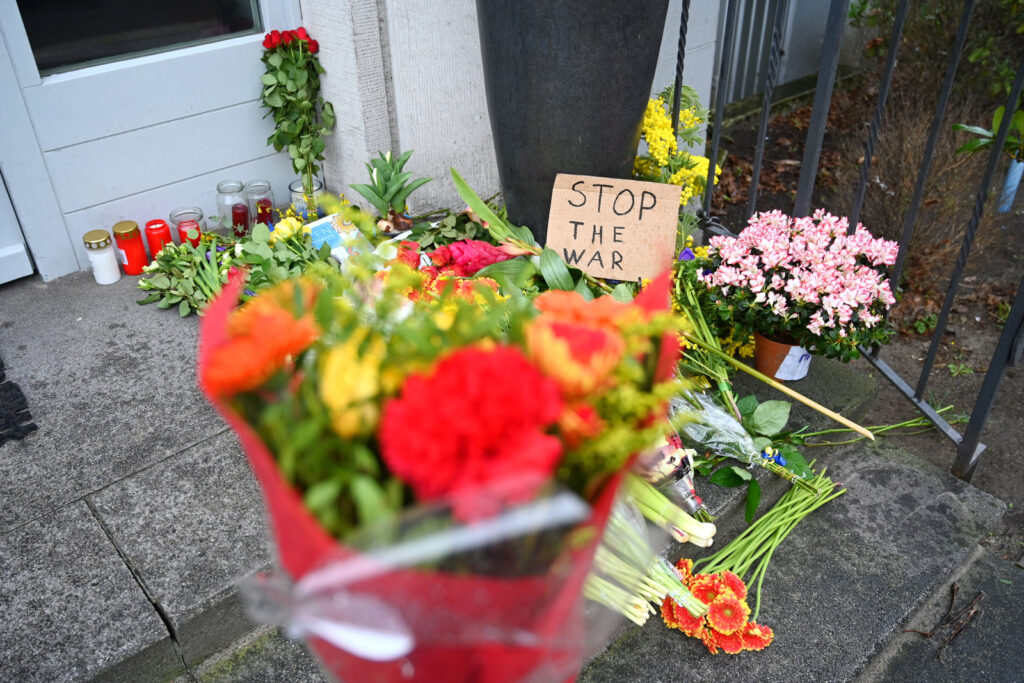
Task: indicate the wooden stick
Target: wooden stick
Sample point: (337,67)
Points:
(781,387)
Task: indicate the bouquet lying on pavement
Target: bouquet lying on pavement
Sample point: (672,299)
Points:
(416,455)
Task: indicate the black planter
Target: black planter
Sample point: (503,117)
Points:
(567,84)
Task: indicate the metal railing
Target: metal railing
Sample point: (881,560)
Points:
(1010,347)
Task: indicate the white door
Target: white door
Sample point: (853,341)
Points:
(14,260)
(125,109)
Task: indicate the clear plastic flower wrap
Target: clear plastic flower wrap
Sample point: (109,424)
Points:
(494,599)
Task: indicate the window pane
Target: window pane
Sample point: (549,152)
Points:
(74,33)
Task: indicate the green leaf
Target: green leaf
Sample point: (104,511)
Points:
(322,494)
(761,443)
(583,290)
(499,230)
(260,233)
(518,269)
(977,130)
(268,79)
(394,185)
(795,461)
(742,473)
(370,499)
(399,200)
(621,292)
(554,270)
(727,477)
(160,281)
(747,405)
(274,99)
(974,145)
(275,60)
(770,417)
(155,296)
(184,309)
(371,196)
(263,251)
(753,500)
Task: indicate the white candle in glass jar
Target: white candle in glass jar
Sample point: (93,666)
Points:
(102,257)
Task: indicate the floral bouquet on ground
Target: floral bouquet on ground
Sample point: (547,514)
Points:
(803,281)
(416,457)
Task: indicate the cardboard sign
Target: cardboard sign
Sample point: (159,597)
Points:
(613,228)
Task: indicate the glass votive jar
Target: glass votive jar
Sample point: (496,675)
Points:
(101,256)
(298,196)
(233,207)
(187,218)
(261,201)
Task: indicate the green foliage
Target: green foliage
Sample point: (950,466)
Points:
(190,277)
(926,324)
(960,369)
(995,39)
(389,187)
(1014,145)
(291,93)
(453,227)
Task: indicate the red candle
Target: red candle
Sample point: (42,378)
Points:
(130,250)
(158,233)
(263,208)
(184,227)
(240,219)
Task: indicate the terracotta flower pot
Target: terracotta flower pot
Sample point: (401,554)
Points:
(780,360)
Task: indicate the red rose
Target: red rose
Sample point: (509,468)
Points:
(289,37)
(300,32)
(313,46)
(272,40)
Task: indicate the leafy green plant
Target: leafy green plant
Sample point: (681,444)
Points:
(389,189)
(190,277)
(926,324)
(959,369)
(291,93)
(1014,145)
(451,228)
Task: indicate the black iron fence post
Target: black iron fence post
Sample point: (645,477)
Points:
(837,13)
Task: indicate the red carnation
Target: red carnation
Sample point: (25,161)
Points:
(467,256)
(288,37)
(489,410)
(313,47)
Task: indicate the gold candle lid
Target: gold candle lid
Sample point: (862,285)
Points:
(96,239)
(125,228)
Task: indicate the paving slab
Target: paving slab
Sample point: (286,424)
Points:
(70,609)
(111,385)
(841,584)
(846,388)
(264,656)
(988,649)
(191,527)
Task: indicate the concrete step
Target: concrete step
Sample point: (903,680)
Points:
(841,585)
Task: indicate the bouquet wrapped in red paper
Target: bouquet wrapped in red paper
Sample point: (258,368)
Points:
(437,469)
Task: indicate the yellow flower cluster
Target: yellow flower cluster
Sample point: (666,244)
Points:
(692,179)
(742,347)
(657,131)
(288,226)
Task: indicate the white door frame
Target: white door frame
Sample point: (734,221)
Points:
(30,100)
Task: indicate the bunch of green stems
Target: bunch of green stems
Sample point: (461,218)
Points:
(749,553)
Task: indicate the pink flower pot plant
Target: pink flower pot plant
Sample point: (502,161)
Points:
(803,281)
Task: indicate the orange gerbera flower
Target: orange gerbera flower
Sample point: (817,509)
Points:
(677,616)
(263,335)
(707,587)
(707,636)
(579,357)
(731,643)
(572,307)
(728,614)
(735,584)
(685,567)
(756,636)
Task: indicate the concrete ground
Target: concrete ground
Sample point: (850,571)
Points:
(128,517)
